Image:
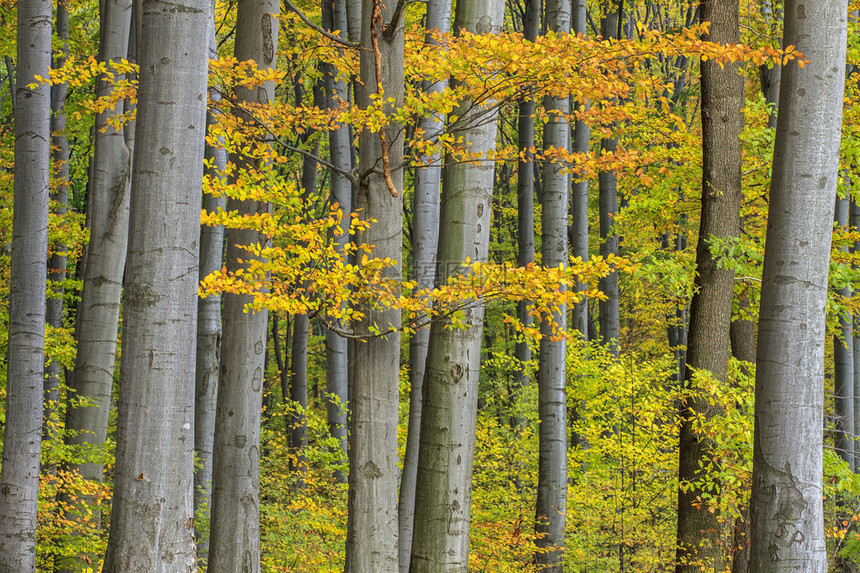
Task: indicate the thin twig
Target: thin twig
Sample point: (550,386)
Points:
(316,28)
(348,174)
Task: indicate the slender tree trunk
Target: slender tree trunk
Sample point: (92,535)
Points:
(843,363)
(208,329)
(354,16)
(446,454)
(22,440)
(525,199)
(337,363)
(299,398)
(60,197)
(579,189)
(152,519)
(786,506)
(551,509)
(742,337)
(107,219)
(371,543)
(610,321)
(854,218)
(699,526)
(235,530)
(771,77)
(425,241)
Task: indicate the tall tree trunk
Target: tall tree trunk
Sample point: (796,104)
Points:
(22,440)
(525,199)
(235,525)
(107,220)
(610,321)
(371,543)
(771,77)
(843,363)
(152,519)
(854,219)
(551,508)
(336,346)
(786,506)
(699,526)
(354,17)
(446,454)
(60,197)
(579,189)
(208,328)
(742,337)
(525,189)
(425,241)
(299,397)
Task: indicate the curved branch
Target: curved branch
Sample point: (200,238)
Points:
(333,37)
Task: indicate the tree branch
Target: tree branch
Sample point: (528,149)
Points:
(390,29)
(348,174)
(334,38)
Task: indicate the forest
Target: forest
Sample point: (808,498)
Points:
(410,286)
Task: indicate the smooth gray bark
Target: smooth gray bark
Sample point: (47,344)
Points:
(22,440)
(235,525)
(354,15)
(107,220)
(786,507)
(609,317)
(298,428)
(208,328)
(340,149)
(425,241)
(551,507)
(854,218)
(843,364)
(60,198)
(579,189)
(447,441)
(771,77)
(525,197)
(371,543)
(152,519)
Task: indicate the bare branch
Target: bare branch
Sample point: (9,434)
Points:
(333,37)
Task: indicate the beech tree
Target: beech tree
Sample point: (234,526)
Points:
(104,265)
(22,438)
(579,188)
(152,518)
(340,153)
(447,441)
(57,264)
(843,362)
(208,326)
(607,180)
(235,527)
(551,510)
(526,191)
(786,506)
(425,241)
(371,543)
